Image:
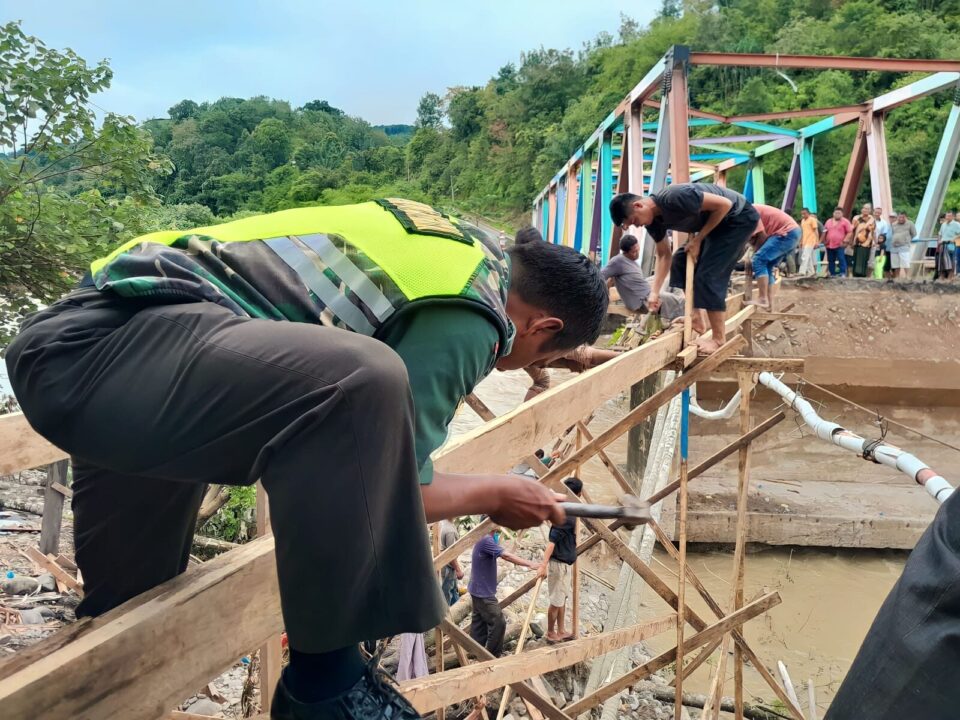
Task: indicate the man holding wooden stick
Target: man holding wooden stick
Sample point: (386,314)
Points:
(720,222)
(324,351)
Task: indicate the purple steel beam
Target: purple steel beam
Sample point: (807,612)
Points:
(793,182)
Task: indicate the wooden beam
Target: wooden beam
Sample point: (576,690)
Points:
(700,639)
(610,464)
(521,641)
(51,567)
(538,421)
(537,699)
(52,518)
(668,489)
(21,448)
(271,652)
(62,489)
(429,693)
(179,635)
(562,469)
(762,315)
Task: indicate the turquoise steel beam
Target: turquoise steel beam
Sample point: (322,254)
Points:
(545,212)
(925,86)
(943,166)
(692,122)
(808,179)
(757,192)
(748,185)
(606,194)
(764,127)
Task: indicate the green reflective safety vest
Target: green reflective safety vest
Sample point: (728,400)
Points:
(357,267)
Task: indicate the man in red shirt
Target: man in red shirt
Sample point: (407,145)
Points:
(776,237)
(838,229)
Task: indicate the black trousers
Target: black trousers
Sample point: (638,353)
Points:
(909,663)
(719,253)
(154,402)
(487,625)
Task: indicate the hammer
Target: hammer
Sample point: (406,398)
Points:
(632,512)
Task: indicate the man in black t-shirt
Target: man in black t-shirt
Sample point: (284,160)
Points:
(560,554)
(719,221)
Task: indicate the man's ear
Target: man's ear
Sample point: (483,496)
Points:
(548,325)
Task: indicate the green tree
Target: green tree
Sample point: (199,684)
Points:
(61,177)
(430,111)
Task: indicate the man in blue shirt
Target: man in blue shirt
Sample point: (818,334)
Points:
(488,624)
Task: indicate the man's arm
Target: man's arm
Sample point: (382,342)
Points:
(517,560)
(718,207)
(512,501)
(660,271)
(446,351)
(458,571)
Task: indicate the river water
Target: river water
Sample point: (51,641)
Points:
(829,596)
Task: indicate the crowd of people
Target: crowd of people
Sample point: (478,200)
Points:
(871,244)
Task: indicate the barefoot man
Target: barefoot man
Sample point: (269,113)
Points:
(720,222)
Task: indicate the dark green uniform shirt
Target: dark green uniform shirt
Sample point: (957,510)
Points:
(448,350)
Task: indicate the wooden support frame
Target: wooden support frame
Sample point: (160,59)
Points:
(54,493)
(97,663)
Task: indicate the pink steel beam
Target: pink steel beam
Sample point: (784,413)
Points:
(808,112)
(851,181)
(823,62)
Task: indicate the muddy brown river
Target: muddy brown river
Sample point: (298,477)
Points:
(829,596)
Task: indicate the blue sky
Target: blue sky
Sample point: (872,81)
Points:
(373,59)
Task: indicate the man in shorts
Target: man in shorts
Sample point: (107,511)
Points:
(720,221)
(558,558)
(903,234)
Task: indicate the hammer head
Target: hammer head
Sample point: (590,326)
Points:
(635,511)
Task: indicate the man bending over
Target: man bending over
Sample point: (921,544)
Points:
(323,350)
(720,222)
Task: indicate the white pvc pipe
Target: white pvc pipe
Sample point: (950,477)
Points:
(882,453)
(724,413)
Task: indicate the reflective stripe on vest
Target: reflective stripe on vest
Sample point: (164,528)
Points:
(329,294)
(354,278)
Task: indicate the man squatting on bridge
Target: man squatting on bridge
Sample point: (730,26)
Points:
(720,222)
(324,351)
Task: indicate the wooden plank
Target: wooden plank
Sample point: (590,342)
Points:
(62,489)
(179,635)
(497,445)
(610,464)
(521,641)
(21,448)
(271,652)
(52,519)
(434,691)
(537,698)
(745,380)
(700,639)
(763,315)
(668,489)
(562,469)
(51,567)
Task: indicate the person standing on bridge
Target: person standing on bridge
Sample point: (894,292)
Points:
(777,235)
(720,222)
(322,350)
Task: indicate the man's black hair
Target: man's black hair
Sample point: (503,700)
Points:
(539,453)
(806,209)
(620,207)
(566,284)
(575,485)
(838,208)
(627,242)
(527,234)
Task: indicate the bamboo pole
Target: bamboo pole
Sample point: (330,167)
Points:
(524,632)
(271,653)
(682,524)
(575,580)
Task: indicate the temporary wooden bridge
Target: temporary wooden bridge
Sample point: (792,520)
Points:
(143,658)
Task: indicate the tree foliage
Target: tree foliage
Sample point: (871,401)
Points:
(62,176)
(72,183)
